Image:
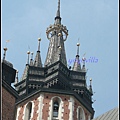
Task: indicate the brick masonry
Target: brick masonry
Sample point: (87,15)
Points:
(8,105)
(46,105)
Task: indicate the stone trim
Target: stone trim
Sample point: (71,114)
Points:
(60,116)
(83,114)
(32,110)
(18,110)
(71,108)
(40,106)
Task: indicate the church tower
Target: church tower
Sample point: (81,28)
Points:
(53,91)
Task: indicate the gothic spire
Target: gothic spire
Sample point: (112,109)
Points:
(37,61)
(25,74)
(57,34)
(77,66)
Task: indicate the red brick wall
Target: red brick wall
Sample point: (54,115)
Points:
(8,105)
(75,110)
(22,107)
(45,110)
(46,101)
(46,105)
(66,112)
(35,114)
(21,113)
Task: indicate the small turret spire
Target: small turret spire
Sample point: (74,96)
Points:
(39,39)
(77,66)
(4,55)
(83,59)
(90,88)
(31,60)
(28,52)
(37,61)
(78,45)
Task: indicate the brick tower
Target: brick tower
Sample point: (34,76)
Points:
(54,91)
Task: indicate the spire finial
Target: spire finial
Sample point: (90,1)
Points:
(83,59)
(5,49)
(37,61)
(4,55)
(78,44)
(90,88)
(58,12)
(31,60)
(90,81)
(28,52)
(77,66)
(39,39)
(31,55)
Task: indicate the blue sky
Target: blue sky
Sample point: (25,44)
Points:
(94,22)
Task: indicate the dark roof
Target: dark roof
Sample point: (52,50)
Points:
(110,115)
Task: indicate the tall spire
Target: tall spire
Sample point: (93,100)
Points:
(37,61)
(57,34)
(77,66)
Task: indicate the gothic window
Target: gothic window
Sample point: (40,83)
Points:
(89,117)
(28,111)
(81,115)
(55,109)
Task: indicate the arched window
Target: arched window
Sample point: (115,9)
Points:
(55,109)
(81,115)
(89,118)
(28,111)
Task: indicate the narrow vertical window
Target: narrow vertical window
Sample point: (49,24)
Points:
(78,113)
(55,109)
(81,115)
(28,111)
